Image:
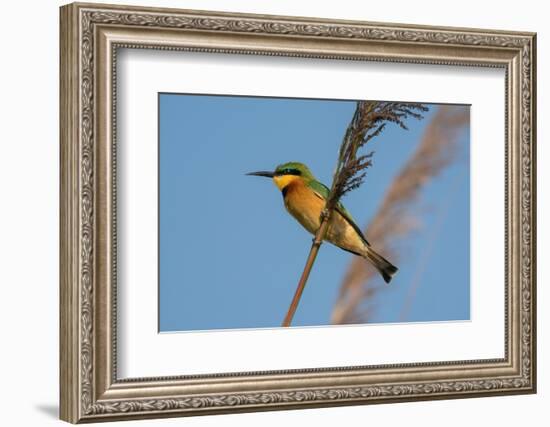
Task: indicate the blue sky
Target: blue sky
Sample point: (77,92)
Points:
(230,254)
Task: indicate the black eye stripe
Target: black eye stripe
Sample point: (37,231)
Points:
(288,172)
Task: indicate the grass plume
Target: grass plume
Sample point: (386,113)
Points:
(369,120)
(394,220)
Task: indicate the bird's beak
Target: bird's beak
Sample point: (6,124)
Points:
(262,173)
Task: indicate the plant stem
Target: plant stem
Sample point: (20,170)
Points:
(317,241)
(368,122)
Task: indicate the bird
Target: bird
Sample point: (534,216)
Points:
(305,197)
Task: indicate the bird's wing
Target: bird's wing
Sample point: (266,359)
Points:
(322,191)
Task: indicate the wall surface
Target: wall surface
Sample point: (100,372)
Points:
(29,171)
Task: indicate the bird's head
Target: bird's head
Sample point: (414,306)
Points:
(286,173)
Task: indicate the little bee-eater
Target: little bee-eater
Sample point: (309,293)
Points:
(305,199)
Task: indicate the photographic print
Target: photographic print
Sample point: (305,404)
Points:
(246,182)
(307,198)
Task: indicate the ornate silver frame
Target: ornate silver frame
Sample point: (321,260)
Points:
(90,35)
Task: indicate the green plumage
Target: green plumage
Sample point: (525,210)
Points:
(323,191)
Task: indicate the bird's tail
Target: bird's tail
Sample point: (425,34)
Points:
(386,268)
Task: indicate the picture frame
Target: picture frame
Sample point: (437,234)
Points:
(91,37)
